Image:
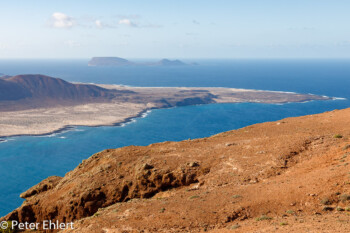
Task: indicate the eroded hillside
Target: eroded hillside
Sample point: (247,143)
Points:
(284,176)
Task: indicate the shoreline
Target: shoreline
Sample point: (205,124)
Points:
(69,127)
(131,104)
(140,114)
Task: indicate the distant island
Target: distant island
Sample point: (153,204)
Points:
(39,104)
(117,61)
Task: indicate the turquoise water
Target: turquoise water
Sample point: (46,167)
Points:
(25,161)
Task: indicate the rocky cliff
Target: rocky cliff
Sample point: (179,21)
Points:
(284,176)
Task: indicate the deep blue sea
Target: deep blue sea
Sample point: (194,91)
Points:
(25,161)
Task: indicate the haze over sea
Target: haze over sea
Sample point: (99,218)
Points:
(26,160)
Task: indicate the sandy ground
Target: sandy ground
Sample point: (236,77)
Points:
(42,120)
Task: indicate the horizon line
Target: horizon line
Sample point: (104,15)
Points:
(201,58)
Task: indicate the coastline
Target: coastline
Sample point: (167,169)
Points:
(70,127)
(53,120)
(238,151)
(121,123)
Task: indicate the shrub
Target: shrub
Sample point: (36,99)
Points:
(326,201)
(344,197)
(327,208)
(234,227)
(263,217)
(290,212)
(338,136)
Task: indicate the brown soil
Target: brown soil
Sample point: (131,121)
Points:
(285,176)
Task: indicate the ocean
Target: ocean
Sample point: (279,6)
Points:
(26,160)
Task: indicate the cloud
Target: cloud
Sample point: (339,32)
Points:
(3,46)
(151,26)
(130,23)
(60,20)
(132,16)
(72,43)
(127,22)
(101,25)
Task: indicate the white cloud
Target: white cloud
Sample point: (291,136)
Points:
(3,46)
(127,22)
(72,43)
(101,25)
(60,20)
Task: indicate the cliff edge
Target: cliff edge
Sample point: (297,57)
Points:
(284,176)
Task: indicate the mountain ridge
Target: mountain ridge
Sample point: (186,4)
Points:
(42,86)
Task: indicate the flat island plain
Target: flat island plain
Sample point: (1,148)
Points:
(37,111)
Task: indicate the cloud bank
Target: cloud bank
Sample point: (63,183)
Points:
(61,20)
(127,22)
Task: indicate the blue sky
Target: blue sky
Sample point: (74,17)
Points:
(175,29)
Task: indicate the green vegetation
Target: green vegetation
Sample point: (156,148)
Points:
(339,208)
(326,201)
(234,227)
(283,224)
(344,197)
(194,197)
(290,212)
(338,136)
(263,217)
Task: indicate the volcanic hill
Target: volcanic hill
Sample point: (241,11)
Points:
(286,176)
(39,104)
(30,91)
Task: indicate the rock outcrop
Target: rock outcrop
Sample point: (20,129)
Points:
(274,177)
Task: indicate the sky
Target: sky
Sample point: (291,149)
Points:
(175,29)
